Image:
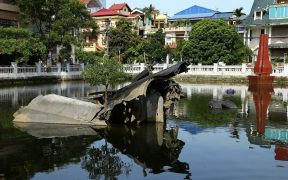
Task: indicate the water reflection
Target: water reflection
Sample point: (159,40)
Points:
(151,146)
(158,151)
(105,161)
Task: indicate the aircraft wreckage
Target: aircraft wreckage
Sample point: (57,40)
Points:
(144,100)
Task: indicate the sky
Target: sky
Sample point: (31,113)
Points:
(171,7)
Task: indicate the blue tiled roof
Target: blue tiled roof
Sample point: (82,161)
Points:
(222,15)
(195,10)
(192,16)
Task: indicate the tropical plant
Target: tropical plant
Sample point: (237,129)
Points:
(150,12)
(238,12)
(20,43)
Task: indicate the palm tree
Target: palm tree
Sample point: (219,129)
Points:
(150,12)
(238,13)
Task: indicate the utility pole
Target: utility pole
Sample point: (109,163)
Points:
(107,26)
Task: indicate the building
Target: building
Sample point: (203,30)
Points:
(107,18)
(94,5)
(9,14)
(159,21)
(269,17)
(180,24)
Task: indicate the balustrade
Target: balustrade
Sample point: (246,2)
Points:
(75,70)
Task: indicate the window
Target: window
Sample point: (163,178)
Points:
(258,14)
(278,12)
(250,38)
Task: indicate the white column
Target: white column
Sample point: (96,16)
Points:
(142,68)
(245,36)
(73,54)
(244,68)
(58,67)
(269,34)
(38,66)
(167,58)
(215,67)
(15,68)
(248,38)
(68,67)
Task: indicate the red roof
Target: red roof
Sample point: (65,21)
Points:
(134,15)
(106,12)
(119,6)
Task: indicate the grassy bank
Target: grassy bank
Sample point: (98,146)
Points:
(278,82)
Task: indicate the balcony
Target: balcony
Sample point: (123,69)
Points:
(177,29)
(278,11)
(9,7)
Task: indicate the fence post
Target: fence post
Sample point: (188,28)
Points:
(58,67)
(68,67)
(244,68)
(165,66)
(15,68)
(215,67)
(142,67)
(285,70)
(82,66)
(38,67)
(190,68)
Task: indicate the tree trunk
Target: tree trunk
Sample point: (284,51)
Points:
(106,96)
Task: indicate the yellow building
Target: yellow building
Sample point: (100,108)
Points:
(106,18)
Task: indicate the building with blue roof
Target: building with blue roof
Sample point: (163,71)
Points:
(196,13)
(190,16)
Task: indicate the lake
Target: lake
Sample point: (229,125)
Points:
(195,142)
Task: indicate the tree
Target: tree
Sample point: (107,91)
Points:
(238,12)
(20,43)
(104,71)
(153,48)
(122,37)
(57,22)
(178,52)
(150,12)
(88,57)
(212,41)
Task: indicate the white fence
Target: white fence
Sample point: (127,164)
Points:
(209,70)
(68,71)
